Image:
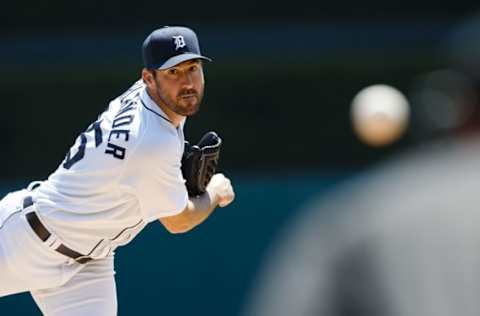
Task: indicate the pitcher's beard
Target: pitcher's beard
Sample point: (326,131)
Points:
(184,107)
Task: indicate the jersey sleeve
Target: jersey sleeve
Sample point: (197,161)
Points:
(154,174)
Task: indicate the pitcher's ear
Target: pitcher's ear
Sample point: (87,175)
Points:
(147,76)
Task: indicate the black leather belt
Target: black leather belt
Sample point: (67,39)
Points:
(43,233)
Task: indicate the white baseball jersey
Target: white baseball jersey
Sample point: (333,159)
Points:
(122,173)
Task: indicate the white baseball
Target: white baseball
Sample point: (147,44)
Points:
(380,114)
(221,186)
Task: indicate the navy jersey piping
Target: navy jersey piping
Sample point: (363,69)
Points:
(166,119)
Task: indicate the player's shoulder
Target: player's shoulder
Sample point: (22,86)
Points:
(159,131)
(128,98)
(164,143)
(151,132)
(160,143)
(123,122)
(139,127)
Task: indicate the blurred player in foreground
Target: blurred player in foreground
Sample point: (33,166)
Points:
(404,241)
(57,238)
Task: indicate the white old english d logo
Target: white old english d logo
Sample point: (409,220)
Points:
(179,41)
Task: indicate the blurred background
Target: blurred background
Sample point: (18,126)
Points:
(279,92)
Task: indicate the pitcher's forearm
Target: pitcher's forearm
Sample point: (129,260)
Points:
(196,211)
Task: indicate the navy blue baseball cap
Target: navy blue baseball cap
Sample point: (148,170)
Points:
(169,46)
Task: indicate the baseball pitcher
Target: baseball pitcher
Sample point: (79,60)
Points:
(130,167)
